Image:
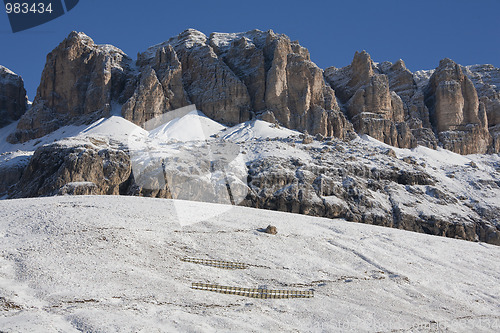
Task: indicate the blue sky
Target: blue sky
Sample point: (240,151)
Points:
(421,32)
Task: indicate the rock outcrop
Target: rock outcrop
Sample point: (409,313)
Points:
(12,166)
(395,192)
(207,81)
(84,167)
(282,80)
(370,105)
(431,108)
(100,166)
(459,119)
(408,87)
(78,84)
(236,77)
(158,89)
(13,99)
(486,79)
(230,77)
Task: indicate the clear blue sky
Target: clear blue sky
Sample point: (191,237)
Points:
(421,32)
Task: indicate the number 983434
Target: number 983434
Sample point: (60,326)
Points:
(26,8)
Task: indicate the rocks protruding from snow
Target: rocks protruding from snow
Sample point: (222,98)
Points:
(12,166)
(456,113)
(371,106)
(78,84)
(365,184)
(424,190)
(13,99)
(272,230)
(74,167)
(307,139)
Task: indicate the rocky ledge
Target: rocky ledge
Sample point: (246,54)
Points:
(359,181)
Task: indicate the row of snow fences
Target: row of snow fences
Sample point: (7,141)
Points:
(248,292)
(255,292)
(217,263)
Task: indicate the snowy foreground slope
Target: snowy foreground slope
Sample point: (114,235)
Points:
(110,264)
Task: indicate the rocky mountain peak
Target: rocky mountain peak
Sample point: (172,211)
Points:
(370,103)
(235,77)
(189,38)
(13,99)
(399,66)
(78,83)
(76,37)
(448,70)
(4,71)
(347,80)
(362,66)
(222,42)
(455,110)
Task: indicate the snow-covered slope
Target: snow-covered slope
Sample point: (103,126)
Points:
(475,176)
(113,264)
(257,129)
(194,126)
(115,126)
(31,146)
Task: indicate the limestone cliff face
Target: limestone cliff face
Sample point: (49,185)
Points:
(240,76)
(78,84)
(282,80)
(195,74)
(486,79)
(460,122)
(406,85)
(236,77)
(230,77)
(344,188)
(370,104)
(13,99)
(431,108)
(157,89)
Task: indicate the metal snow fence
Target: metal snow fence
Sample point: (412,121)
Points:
(254,292)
